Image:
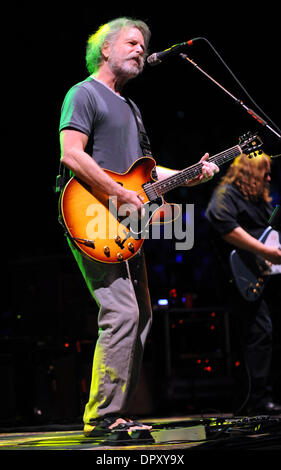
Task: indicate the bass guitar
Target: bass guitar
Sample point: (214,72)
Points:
(103,233)
(251,272)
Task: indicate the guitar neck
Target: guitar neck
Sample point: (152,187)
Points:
(180,178)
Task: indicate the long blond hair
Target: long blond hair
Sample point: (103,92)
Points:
(248,173)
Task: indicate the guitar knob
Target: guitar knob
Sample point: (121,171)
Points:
(106,250)
(119,256)
(117,240)
(250,289)
(131,247)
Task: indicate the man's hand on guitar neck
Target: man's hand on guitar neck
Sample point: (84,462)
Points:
(208,171)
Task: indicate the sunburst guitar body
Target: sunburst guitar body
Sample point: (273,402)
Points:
(94,223)
(109,234)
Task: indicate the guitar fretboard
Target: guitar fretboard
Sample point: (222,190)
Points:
(180,178)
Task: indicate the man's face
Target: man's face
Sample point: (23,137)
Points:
(126,55)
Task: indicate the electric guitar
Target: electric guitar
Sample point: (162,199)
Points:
(251,272)
(110,235)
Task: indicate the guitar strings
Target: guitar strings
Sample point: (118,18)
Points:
(189,173)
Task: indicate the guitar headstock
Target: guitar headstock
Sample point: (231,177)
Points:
(249,143)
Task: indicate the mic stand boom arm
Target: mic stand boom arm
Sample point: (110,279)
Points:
(249,111)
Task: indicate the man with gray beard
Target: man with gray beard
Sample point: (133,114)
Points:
(101,129)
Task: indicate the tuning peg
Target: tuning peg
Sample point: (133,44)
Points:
(245,137)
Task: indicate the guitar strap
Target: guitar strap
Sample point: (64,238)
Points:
(60,178)
(143,137)
(275,218)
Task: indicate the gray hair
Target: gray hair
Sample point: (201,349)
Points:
(108,33)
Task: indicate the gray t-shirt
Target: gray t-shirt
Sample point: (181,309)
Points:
(107,119)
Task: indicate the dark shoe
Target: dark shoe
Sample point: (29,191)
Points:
(107,425)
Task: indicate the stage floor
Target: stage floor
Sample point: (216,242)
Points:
(169,437)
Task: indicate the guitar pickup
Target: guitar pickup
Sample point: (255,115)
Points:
(150,191)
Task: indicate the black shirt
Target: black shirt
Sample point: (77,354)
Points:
(228,209)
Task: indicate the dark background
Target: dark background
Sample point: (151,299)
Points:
(47,317)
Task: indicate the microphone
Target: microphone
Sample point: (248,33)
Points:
(157,57)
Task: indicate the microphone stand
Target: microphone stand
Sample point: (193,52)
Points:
(240,102)
(275,218)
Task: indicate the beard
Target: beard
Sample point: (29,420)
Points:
(127,67)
